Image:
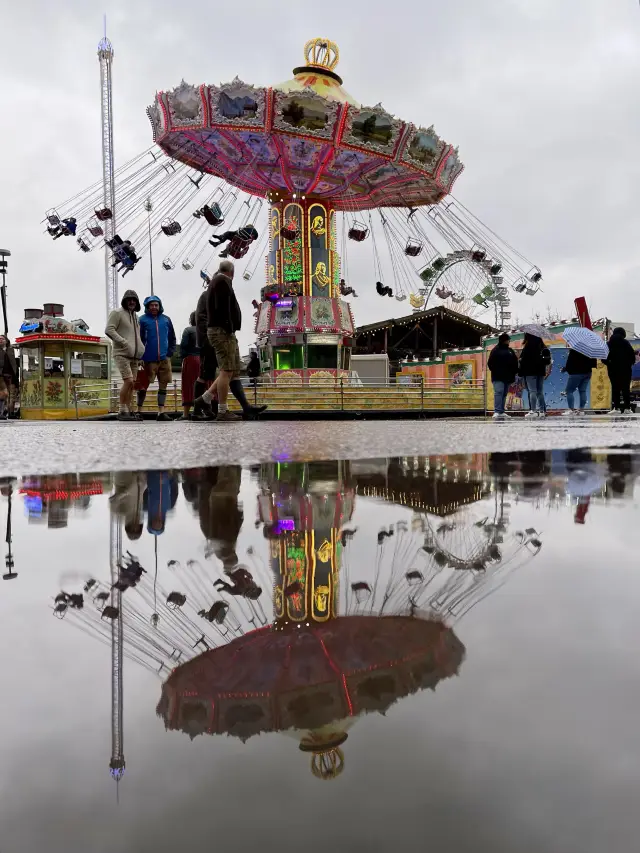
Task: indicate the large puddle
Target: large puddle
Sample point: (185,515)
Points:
(368,655)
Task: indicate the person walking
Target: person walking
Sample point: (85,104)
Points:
(159,338)
(533,367)
(8,375)
(578,369)
(503,365)
(224,319)
(253,368)
(204,410)
(620,361)
(190,354)
(123,328)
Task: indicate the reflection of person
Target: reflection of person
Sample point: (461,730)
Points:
(159,338)
(127,500)
(123,328)
(579,369)
(8,375)
(620,363)
(503,366)
(160,497)
(190,354)
(535,361)
(220,513)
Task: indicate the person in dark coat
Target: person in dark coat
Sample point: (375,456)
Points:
(578,368)
(535,361)
(503,365)
(8,375)
(620,361)
(253,368)
(190,355)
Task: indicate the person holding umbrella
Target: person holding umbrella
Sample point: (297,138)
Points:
(585,347)
(620,362)
(534,366)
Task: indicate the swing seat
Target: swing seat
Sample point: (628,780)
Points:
(495,269)
(358,232)
(84,246)
(427,273)
(103,213)
(401,298)
(416,301)
(247,276)
(94,228)
(413,248)
(478,255)
(488,292)
(187,264)
(213,214)
(443,293)
(167,264)
(53,218)
(116,240)
(439,264)
(170,227)
(480,300)
(531,291)
(457,298)
(536,277)
(205,275)
(520,286)
(238,248)
(289,233)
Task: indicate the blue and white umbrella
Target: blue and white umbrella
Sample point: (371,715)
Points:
(586,342)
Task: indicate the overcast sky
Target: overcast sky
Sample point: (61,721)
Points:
(540,96)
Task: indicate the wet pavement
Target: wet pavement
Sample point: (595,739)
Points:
(35,447)
(366,654)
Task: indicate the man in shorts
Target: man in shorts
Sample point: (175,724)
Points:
(223,321)
(123,328)
(159,339)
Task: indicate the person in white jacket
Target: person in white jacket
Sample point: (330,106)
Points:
(124,330)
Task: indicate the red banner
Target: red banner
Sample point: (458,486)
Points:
(583,312)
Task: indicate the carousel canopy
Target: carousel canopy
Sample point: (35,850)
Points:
(305,136)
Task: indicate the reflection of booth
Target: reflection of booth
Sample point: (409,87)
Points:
(58,359)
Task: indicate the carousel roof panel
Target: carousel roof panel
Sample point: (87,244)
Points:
(301,141)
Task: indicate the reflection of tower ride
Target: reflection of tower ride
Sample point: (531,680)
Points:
(117,763)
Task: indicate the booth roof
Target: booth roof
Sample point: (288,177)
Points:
(418,316)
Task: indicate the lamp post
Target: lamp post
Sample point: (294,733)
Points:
(4,254)
(148,206)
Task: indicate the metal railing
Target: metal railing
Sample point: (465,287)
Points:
(330,395)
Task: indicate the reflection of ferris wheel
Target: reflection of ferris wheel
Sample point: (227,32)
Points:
(468,282)
(443,567)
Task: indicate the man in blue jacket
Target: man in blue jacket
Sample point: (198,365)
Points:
(159,339)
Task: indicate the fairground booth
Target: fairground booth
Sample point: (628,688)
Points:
(58,358)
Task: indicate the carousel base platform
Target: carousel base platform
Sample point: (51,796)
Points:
(302,402)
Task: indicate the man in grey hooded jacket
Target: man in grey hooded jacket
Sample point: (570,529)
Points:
(124,330)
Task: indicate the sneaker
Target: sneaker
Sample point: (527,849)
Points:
(570,413)
(531,415)
(163,416)
(227,417)
(628,412)
(254,412)
(542,414)
(581,413)
(499,416)
(125,416)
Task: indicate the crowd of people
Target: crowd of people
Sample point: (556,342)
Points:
(144,345)
(534,364)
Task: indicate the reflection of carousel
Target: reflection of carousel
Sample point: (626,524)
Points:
(315,640)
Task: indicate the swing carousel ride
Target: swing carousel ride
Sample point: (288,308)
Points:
(303,173)
(318,635)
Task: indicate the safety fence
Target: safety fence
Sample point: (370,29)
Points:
(339,395)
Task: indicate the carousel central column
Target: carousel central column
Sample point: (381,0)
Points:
(302,332)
